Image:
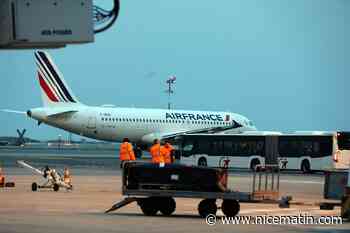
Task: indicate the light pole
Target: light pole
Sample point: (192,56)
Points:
(170,81)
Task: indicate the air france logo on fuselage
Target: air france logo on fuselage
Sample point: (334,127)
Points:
(194,117)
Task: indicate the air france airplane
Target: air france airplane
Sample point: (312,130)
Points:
(63,110)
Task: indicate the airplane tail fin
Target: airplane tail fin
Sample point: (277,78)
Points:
(55,91)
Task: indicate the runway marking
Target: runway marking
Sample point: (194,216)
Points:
(265,210)
(301,182)
(297,211)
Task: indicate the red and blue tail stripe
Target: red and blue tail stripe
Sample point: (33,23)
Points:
(51,81)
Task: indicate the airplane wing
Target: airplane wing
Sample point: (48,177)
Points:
(170,135)
(206,130)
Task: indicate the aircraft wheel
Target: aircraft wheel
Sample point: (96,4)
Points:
(206,207)
(149,206)
(34,187)
(230,207)
(56,187)
(167,206)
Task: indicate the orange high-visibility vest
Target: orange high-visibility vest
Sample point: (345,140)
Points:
(2,180)
(157,154)
(126,152)
(166,150)
(66,177)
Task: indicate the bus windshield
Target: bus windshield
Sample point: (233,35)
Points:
(343,140)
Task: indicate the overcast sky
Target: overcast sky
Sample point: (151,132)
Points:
(284,64)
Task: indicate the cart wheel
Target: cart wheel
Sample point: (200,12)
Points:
(34,187)
(148,206)
(230,207)
(206,207)
(167,206)
(56,187)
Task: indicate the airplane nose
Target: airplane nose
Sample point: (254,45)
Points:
(29,113)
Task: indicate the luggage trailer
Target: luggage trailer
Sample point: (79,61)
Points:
(265,189)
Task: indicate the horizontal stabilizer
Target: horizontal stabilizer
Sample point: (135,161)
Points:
(13,111)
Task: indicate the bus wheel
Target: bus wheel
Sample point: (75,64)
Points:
(167,206)
(305,166)
(230,207)
(202,162)
(254,163)
(206,207)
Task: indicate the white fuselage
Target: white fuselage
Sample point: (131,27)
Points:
(138,124)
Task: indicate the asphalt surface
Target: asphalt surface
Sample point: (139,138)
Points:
(98,186)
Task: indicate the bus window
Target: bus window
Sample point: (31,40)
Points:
(316,147)
(260,146)
(244,148)
(227,147)
(187,148)
(326,147)
(216,147)
(343,140)
(306,147)
(235,148)
(289,146)
(201,146)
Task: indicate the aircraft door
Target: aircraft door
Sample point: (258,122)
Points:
(91,123)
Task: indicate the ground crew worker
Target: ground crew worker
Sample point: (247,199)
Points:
(2,178)
(126,152)
(156,152)
(67,177)
(167,150)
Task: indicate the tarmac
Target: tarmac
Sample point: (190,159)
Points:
(98,188)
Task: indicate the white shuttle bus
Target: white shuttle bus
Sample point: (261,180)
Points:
(305,151)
